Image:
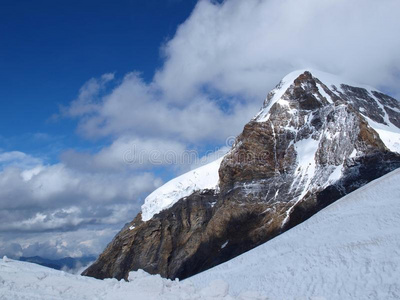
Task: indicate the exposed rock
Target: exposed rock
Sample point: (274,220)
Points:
(310,145)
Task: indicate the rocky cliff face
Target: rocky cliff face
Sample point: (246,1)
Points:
(314,141)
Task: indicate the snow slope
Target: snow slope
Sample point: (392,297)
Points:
(349,250)
(205,177)
(23,280)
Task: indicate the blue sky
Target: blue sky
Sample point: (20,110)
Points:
(84,83)
(50,48)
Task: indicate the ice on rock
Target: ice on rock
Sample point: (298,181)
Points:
(224,244)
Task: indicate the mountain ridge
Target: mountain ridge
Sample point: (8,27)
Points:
(312,143)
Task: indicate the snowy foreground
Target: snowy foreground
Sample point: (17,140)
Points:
(350,250)
(22,280)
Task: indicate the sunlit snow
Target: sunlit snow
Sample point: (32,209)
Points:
(205,177)
(349,250)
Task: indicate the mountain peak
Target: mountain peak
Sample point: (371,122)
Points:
(323,86)
(316,139)
(310,90)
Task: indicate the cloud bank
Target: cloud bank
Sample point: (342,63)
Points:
(246,47)
(43,203)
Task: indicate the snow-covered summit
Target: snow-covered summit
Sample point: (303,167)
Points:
(277,95)
(380,111)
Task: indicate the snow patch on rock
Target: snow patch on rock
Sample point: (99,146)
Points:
(205,177)
(389,134)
